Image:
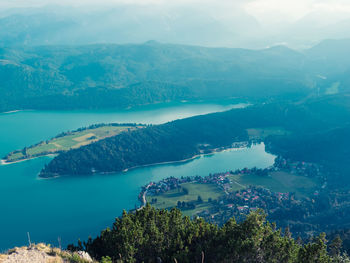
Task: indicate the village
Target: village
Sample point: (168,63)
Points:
(225,179)
(242,191)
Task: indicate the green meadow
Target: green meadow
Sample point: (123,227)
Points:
(71,140)
(205,191)
(278,181)
(262,133)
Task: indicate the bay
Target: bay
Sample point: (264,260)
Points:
(76,207)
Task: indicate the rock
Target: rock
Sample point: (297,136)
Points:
(42,253)
(25,255)
(85,256)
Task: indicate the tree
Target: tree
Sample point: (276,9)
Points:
(106,260)
(25,151)
(335,246)
(185,191)
(315,252)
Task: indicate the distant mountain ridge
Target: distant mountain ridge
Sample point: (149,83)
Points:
(119,76)
(126,23)
(188,24)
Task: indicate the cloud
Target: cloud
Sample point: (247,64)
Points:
(273,11)
(38,3)
(265,11)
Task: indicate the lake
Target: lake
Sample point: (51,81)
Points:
(76,207)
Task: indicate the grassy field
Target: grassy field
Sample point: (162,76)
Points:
(277,182)
(262,133)
(205,191)
(70,141)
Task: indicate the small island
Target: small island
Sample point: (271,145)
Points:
(66,141)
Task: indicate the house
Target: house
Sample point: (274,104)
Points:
(240,208)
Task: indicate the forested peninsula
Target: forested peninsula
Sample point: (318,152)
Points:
(183,139)
(174,141)
(69,140)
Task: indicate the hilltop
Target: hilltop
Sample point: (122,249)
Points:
(153,235)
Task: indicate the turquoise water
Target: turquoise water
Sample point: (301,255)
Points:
(76,207)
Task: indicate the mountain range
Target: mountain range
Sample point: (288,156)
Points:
(120,76)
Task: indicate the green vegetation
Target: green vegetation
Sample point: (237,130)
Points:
(153,235)
(174,141)
(262,133)
(278,181)
(69,140)
(120,76)
(188,192)
(333,89)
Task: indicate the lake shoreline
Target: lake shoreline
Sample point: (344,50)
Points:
(184,160)
(79,144)
(5,162)
(215,151)
(11,111)
(30,126)
(235,105)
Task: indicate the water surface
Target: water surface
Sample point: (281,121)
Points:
(75,207)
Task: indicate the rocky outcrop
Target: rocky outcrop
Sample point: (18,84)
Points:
(42,253)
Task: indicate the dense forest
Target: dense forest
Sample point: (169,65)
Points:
(325,140)
(119,76)
(152,235)
(183,139)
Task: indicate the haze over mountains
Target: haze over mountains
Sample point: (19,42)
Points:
(120,76)
(190,24)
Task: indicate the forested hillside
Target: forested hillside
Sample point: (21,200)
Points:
(150,235)
(119,76)
(327,140)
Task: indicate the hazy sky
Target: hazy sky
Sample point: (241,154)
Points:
(265,11)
